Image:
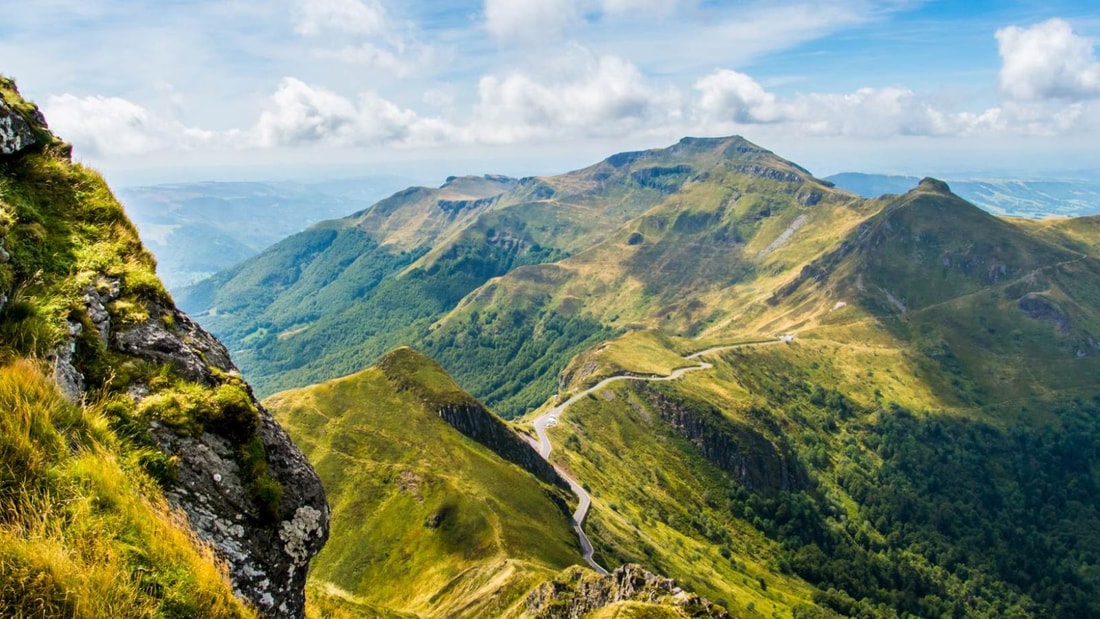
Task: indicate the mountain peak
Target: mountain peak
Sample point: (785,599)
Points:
(932,184)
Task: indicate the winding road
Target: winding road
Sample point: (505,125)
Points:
(549,419)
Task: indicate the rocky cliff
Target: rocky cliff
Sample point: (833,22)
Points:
(404,366)
(78,289)
(758,463)
(578,592)
(476,422)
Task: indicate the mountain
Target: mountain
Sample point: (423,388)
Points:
(940,393)
(920,442)
(411,268)
(1036,197)
(198,229)
(426,520)
(139,476)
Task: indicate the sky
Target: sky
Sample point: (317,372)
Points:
(170,90)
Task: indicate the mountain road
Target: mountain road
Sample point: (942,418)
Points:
(550,419)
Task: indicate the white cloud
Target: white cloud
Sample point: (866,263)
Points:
(729,95)
(111,126)
(602,96)
(301,115)
(1047,61)
(530,21)
(316,17)
(729,101)
(361,33)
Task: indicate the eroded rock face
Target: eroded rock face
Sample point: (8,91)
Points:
(482,426)
(16,133)
(579,592)
(755,461)
(268,560)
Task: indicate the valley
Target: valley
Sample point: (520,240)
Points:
(634,309)
(550,419)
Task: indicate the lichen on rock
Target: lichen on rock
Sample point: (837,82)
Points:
(16,133)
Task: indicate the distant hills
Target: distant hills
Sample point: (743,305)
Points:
(1035,198)
(197,229)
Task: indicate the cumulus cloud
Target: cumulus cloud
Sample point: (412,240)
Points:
(317,17)
(729,95)
(595,97)
(110,126)
(728,101)
(300,114)
(1047,61)
(530,21)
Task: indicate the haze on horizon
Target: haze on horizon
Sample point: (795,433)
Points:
(198,89)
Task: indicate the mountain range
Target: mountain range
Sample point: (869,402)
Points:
(775,398)
(904,448)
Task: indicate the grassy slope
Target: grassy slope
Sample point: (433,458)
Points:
(310,311)
(425,520)
(657,502)
(690,265)
(86,531)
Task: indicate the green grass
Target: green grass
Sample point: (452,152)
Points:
(84,512)
(85,532)
(658,502)
(892,439)
(425,520)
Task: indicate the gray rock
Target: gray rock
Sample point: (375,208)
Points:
(16,133)
(577,593)
(65,374)
(476,422)
(767,172)
(267,561)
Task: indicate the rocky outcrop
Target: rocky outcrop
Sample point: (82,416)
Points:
(666,179)
(16,132)
(268,558)
(476,422)
(452,207)
(578,592)
(757,463)
(245,488)
(1038,307)
(768,173)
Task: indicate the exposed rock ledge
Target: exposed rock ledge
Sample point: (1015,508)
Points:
(16,133)
(267,560)
(578,592)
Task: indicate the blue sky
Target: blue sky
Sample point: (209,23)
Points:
(177,89)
